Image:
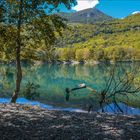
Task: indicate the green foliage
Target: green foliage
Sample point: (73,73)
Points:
(46,38)
(2,11)
(65,53)
(31,91)
(20,13)
(27,22)
(113,40)
(82,54)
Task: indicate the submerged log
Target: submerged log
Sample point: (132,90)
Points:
(80,86)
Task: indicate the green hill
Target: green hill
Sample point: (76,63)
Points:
(118,40)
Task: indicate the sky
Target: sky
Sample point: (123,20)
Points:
(114,8)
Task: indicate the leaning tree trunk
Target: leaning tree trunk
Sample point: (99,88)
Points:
(18,63)
(18,73)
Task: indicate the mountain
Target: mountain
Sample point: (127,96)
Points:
(91,15)
(118,39)
(83,33)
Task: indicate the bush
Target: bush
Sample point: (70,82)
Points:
(30,91)
(82,54)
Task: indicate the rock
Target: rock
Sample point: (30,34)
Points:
(67,62)
(75,62)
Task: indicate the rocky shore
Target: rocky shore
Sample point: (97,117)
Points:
(88,62)
(24,122)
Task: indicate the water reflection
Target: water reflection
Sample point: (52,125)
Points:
(111,108)
(53,79)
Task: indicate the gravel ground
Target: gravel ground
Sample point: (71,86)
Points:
(23,122)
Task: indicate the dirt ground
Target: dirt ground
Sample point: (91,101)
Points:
(22,122)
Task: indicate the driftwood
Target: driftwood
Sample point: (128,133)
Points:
(80,86)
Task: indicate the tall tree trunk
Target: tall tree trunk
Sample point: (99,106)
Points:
(18,63)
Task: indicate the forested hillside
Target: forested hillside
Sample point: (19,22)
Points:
(118,39)
(114,40)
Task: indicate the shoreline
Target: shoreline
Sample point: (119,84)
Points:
(28,122)
(90,62)
(70,62)
(73,63)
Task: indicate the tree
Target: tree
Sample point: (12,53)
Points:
(120,85)
(1,12)
(19,12)
(45,29)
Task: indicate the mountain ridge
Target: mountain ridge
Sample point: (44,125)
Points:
(116,40)
(89,16)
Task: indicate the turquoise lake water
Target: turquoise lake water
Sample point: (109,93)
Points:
(53,79)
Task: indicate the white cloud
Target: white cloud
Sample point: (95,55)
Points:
(85,4)
(136,12)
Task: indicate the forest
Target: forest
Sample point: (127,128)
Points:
(111,40)
(115,40)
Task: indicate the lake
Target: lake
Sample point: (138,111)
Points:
(53,79)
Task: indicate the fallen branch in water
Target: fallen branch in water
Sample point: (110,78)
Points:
(80,86)
(120,84)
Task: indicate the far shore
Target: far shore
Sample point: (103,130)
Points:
(70,62)
(90,62)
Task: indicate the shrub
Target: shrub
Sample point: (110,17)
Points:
(30,91)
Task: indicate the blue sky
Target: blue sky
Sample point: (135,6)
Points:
(119,8)
(114,8)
